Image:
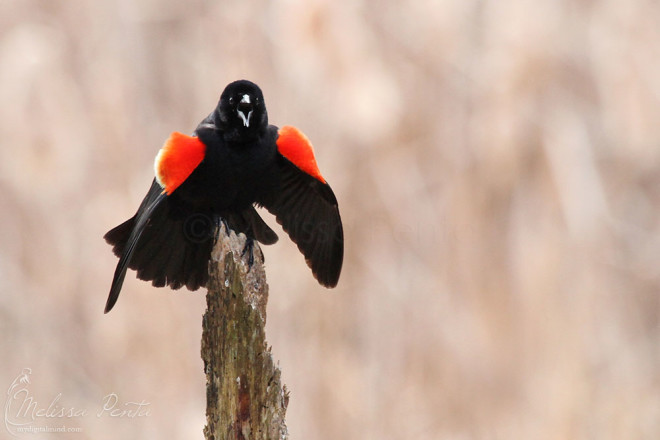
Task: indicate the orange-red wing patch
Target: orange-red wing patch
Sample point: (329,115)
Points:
(177,160)
(294,145)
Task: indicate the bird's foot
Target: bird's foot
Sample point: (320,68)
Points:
(219,222)
(249,249)
(223,221)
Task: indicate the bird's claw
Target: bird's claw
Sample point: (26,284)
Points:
(219,221)
(249,249)
(224,222)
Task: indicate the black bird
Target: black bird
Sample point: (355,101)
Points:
(233,162)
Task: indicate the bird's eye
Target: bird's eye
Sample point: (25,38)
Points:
(231,100)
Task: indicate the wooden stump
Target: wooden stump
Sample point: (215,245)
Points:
(244,395)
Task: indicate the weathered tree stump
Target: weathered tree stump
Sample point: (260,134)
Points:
(245,398)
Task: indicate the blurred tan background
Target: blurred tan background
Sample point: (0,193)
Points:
(497,166)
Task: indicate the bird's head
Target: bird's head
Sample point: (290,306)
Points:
(241,112)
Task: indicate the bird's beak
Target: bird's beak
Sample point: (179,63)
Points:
(245,110)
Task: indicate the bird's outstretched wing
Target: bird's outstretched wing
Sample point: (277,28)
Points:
(306,207)
(165,244)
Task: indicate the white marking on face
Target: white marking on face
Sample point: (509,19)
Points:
(245,99)
(245,119)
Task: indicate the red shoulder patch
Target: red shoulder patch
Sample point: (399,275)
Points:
(294,145)
(177,160)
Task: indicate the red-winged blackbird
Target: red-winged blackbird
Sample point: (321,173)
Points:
(233,162)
